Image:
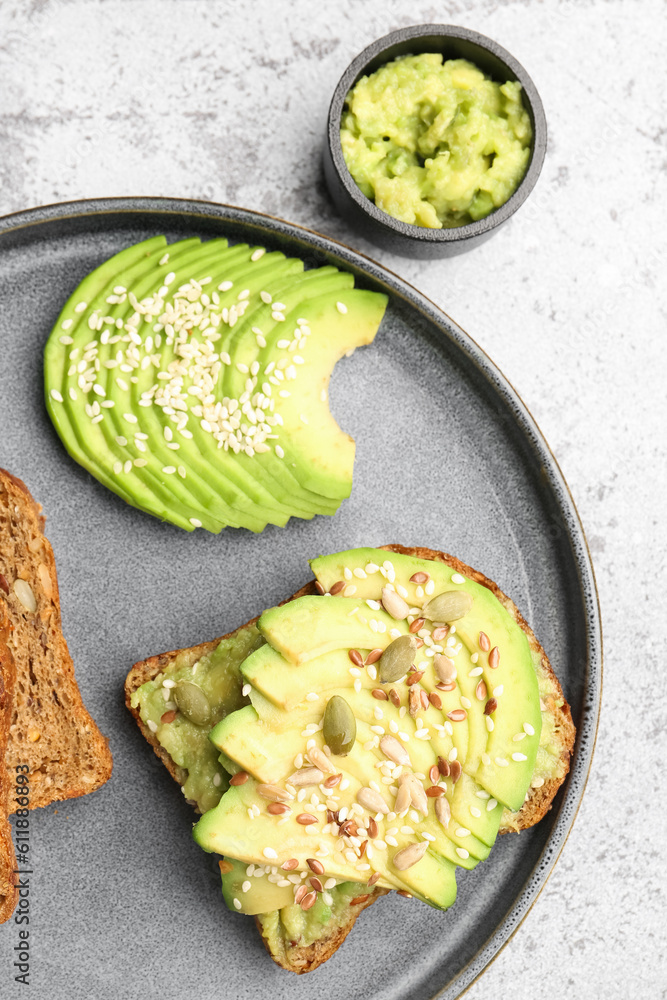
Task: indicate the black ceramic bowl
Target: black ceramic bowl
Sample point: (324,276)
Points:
(401,237)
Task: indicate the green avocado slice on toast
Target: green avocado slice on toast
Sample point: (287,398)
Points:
(267,687)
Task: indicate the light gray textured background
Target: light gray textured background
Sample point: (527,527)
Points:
(227,101)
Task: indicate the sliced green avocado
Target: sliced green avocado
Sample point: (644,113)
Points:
(214,484)
(140,363)
(269,739)
(246,892)
(496,761)
(262,340)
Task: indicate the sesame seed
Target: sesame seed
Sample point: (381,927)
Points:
(519,756)
(462,853)
(80,307)
(237,903)
(246,689)
(457,578)
(152,726)
(169,470)
(259,252)
(341,307)
(269,853)
(528,729)
(56,395)
(502,762)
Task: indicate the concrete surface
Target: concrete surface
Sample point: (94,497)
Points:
(227,101)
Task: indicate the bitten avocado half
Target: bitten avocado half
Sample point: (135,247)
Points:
(192,380)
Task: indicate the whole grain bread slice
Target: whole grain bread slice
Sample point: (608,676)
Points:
(50,730)
(305,958)
(8,890)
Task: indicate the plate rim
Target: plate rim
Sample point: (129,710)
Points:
(587,728)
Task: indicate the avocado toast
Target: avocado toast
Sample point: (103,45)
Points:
(341,856)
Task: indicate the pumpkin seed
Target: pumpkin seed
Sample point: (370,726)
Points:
(394,604)
(448,606)
(340,726)
(397,659)
(443,811)
(444,668)
(192,703)
(409,856)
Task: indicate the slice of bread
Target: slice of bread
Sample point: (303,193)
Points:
(8,890)
(299,959)
(50,730)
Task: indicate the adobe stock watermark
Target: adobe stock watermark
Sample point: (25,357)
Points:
(22,872)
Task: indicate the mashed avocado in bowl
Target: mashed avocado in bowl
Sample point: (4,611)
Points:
(435,142)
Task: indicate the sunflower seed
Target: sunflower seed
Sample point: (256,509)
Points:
(394,604)
(443,811)
(394,750)
(303,777)
(409,856)
(319,759)
(273,792)
(416,790)
(372,800)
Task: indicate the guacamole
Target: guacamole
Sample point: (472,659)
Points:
(435,144)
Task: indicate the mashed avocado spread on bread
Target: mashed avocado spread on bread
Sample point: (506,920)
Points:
(460,730)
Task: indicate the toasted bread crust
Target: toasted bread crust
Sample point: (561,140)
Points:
(8,890)
(50,730)
(305,958)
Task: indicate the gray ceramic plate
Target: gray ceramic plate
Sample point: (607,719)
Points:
(124,904)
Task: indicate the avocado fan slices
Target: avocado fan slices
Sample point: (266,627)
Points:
(447,730)
(297,939)
(191,379)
